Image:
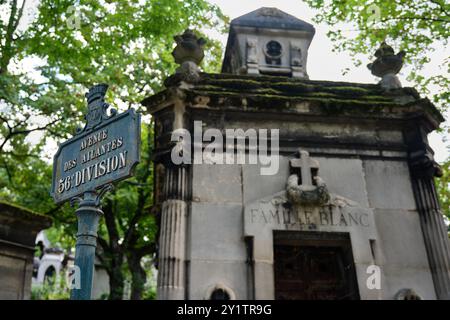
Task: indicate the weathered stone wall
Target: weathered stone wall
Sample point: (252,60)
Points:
(218,252)
(18,230)
(16,269)
(369,154)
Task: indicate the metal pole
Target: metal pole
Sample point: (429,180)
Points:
(88,215)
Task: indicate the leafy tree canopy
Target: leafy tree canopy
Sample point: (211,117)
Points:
(47,66)
(75,44)
(418,27)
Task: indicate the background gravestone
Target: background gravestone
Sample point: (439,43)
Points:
(18,230)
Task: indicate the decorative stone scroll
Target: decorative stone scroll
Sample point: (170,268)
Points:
(297,63)
(252,56)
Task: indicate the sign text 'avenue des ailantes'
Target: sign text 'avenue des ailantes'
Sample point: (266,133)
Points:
(105,151)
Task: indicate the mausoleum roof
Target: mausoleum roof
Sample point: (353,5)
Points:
(271,18)
(284,94)
(20,213)
(20,225)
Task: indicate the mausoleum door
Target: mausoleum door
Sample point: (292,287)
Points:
(313,266)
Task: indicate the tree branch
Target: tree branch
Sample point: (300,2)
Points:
(8,172)
(53,210)
(19,16)
(6,121)
(25,132)
(104,244)
(111,227)
(441,6)
(416,18)
(6,49)
(146,250)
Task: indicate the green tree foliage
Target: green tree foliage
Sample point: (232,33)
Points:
(75,44)
(129,229)
(443,187)
(415,26)
(48,65)
(418,27)
(53,288)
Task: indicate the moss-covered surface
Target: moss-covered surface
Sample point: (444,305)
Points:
(270,96)
(22,211)
(284,93)
(290,89)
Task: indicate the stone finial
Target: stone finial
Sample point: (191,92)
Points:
(312,190)
(188,54)
(387,65)
(407,294)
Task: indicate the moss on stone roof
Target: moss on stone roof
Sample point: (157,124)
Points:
(263,92)
(244,85)
(293,89)
(22,211)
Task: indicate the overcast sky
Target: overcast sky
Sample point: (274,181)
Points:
(323,64)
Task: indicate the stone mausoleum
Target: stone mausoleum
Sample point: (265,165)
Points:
(18,230)
(334,200)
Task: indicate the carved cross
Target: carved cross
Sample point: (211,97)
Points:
(306,164)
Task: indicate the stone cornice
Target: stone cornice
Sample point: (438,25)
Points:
(282,95)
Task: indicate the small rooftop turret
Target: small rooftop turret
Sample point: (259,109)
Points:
(268,41)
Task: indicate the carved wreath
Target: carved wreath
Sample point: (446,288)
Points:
(307,195)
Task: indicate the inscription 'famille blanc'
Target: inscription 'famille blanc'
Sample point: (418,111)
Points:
(322,216)
(94,148)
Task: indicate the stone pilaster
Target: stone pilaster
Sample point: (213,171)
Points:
(423,170)
(172,241)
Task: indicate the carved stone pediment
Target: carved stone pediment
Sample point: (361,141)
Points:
(276,212)
(306,204)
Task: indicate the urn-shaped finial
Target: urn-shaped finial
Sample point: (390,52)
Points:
(386,65)
(189,48)
(189,53)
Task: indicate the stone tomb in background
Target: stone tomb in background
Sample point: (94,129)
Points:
(18,230)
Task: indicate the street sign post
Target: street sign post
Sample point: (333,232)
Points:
(106,150)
